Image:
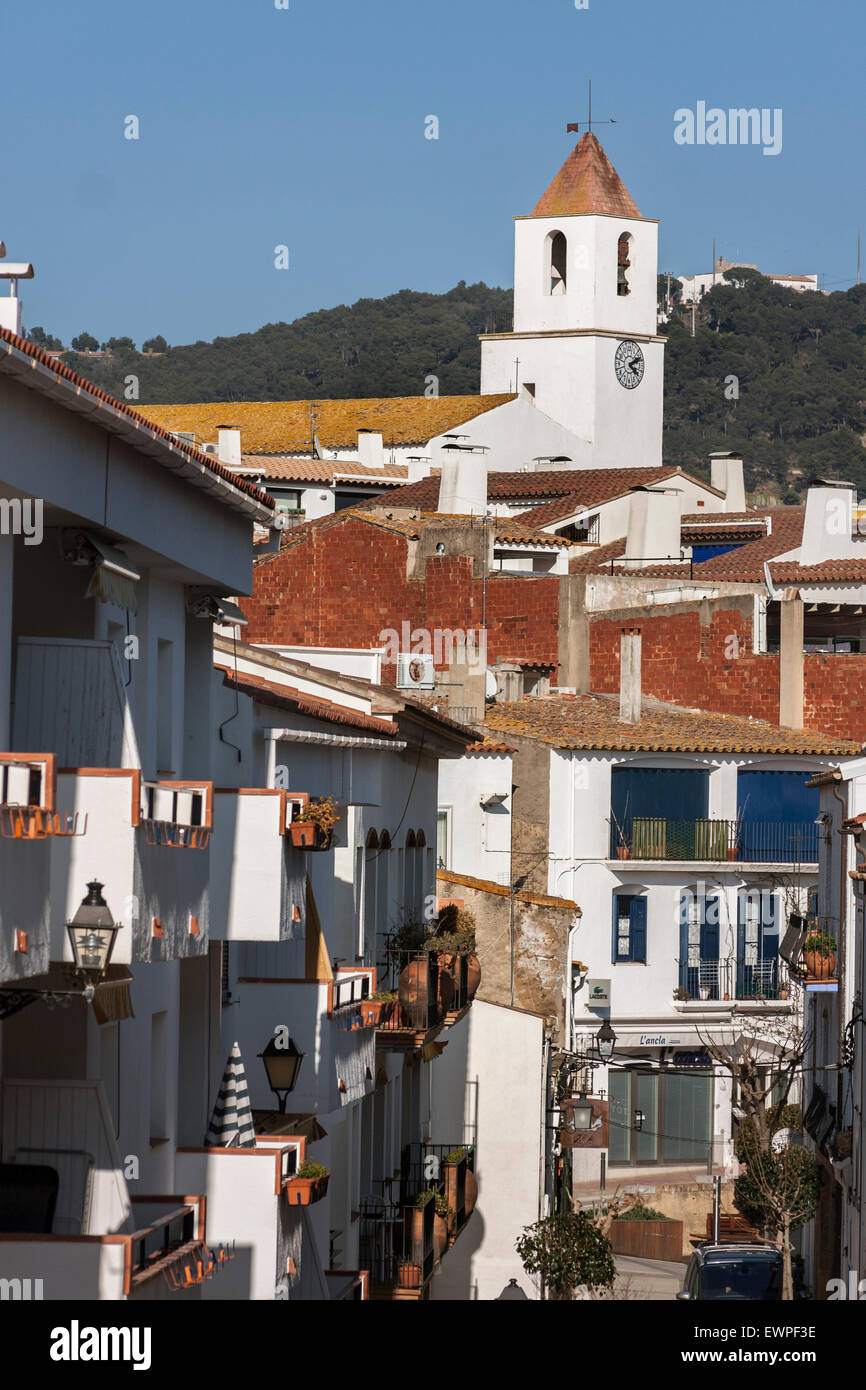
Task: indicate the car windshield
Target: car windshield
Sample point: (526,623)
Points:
(743,1278)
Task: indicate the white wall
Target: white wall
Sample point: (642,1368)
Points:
(479,840)
(501,1096)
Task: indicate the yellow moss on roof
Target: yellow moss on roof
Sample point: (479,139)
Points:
(283,427)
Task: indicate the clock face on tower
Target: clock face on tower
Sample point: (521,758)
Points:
(629,365)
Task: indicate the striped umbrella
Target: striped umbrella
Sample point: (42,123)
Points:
(231,1124)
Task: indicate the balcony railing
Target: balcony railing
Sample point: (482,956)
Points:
(400,1237)
(429,985)
(716,841)
(734,978)
(178,815)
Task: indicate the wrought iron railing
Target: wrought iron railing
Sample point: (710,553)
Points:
(733,977)
(427,986)
(716,841)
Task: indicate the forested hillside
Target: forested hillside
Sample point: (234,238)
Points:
(779,375)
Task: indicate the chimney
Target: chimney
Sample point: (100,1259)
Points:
(629,675)
(653,526)
(418,466)
(10,304)
(463,485)
(371,452)
(509,681)
(829,522)
(791,665)
(229,446)
(726,474)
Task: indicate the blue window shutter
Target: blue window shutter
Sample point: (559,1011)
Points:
(710,930)
(741,925)
(769,928)
(614,956)
(637,933)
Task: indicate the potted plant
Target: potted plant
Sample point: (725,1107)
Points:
(379,1008)
(704,991)
(455,936)
(308,1185)
(681,994)
(455,1166)
(440,1219)
(313,827)
(819,953)
(622,846)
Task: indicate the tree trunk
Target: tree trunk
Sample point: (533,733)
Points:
(787,1274)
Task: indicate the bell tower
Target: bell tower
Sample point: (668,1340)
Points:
(584,338)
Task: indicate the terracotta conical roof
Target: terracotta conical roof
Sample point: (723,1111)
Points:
(587,182)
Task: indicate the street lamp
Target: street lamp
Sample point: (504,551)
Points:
(91,936)
(511,1291)
(582,1112)
(605,1039)
(282,1065)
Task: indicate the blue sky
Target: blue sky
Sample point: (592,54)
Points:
(305,127)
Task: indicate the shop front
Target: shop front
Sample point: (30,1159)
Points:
(661,1101)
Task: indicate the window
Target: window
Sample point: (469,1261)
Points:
(629,928)
(700,971)
(652,795)
(776,813)
(660,1116)
(623,263)
(557,251)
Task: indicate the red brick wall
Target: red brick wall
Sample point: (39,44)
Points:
(688,664)
(346,580)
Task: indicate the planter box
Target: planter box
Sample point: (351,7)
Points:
(376,1012)
(305,834)
(649,1240)
(303,1192)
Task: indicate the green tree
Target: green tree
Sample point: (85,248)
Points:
(40,338)
(119,345)
(85,342)
(567,1251)
(778,1192)
(157,344)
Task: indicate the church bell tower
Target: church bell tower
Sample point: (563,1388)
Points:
(584,341)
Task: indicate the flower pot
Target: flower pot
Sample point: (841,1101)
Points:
(473,975)
(623,852)
(470,1192)
(412,989)
(306,834)
(704,992)
(376,1012)
(440,1237)
(820,967)
(733,853)
(447,980)
(303,1192)
(408,1275)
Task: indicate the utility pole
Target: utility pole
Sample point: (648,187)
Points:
(858,255)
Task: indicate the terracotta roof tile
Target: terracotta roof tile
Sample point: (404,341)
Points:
(279,468)
(298,700)
(586,183)
(283,427)
(82,385)
(592,721)
(583,487)
(490,746)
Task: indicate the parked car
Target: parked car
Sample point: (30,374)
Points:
(733,1271)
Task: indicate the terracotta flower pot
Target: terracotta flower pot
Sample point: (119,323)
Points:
(412,988)
(473,975)
(733,853)
(303,1192)
(470,1192)
(408,1275)
(305,834)
(820,967)
(623,852)
(376,1012)
(440,1237)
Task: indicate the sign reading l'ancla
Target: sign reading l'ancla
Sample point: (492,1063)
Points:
(598,994)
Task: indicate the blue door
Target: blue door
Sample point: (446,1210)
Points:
(777,811)
(663,793)
(700,967)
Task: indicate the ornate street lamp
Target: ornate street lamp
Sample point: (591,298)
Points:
(511,1291)
(582,1112)
(91,935)
(605,1040)
(282,1065)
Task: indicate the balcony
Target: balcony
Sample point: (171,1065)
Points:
(430,990)
(66,1217)
(409,1224)
(28,822)
(648,838)
(732,979)
(257,878)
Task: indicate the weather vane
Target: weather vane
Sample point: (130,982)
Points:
(575,125)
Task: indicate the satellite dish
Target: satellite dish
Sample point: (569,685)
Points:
(489,685)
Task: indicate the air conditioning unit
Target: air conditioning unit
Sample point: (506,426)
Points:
(415,672)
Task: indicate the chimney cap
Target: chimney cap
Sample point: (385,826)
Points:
(832,482)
